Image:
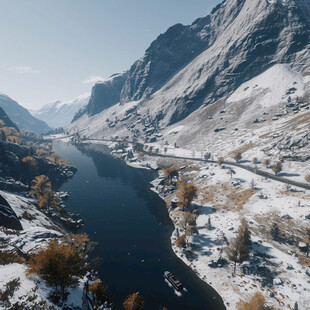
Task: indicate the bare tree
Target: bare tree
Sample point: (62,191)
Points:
(277,168)
(237,156)
(238,250)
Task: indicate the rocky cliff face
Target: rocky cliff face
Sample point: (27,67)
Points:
(193,66)
(258,35)
(12,168)
(104,95)
(8,218)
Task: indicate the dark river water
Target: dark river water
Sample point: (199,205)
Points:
(132,228)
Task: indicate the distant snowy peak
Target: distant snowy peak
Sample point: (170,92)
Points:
(60,113)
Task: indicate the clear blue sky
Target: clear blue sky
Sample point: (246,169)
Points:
(51,48)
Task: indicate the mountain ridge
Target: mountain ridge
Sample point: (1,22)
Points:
(241,39)
(60,113)
(21,116)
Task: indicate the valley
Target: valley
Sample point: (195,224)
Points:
(194,159)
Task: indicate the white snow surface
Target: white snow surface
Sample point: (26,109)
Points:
(270,87)
(35,234)
(260,214)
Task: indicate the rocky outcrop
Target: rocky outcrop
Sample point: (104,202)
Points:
(169,53)
(104,95)
(8,218)
(295,147)
(12,167)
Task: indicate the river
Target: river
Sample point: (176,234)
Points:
(132,227)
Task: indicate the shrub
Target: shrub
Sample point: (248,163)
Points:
(181,241)
(220,161)
(277,168)
(266,163)
(134,302)
(257,302)
(171,173)
(27,216)
(63,262)
(150,150)
(254,160)
(237,156)
(8,257)
(99,292)
(186,193)
(9,291)
(196,212)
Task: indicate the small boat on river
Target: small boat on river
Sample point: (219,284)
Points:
(176,284)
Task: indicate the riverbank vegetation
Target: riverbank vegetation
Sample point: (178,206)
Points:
(62,263)
(246,226)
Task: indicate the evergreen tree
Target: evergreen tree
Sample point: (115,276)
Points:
(209,225)
(275,232)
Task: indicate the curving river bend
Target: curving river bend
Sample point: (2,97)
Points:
(132,228)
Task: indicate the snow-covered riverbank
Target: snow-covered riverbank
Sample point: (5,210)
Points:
(37,230)
(225,198)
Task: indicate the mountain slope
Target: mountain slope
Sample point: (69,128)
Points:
(239,40)
(104,95)
(21,116)
(60,113)
(6,120)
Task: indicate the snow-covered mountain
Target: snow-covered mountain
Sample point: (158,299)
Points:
(192,67)
(21,116)
(60,113)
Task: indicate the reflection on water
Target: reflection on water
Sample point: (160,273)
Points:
(132,228)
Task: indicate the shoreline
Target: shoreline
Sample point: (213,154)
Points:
(176,251)
(289,284)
